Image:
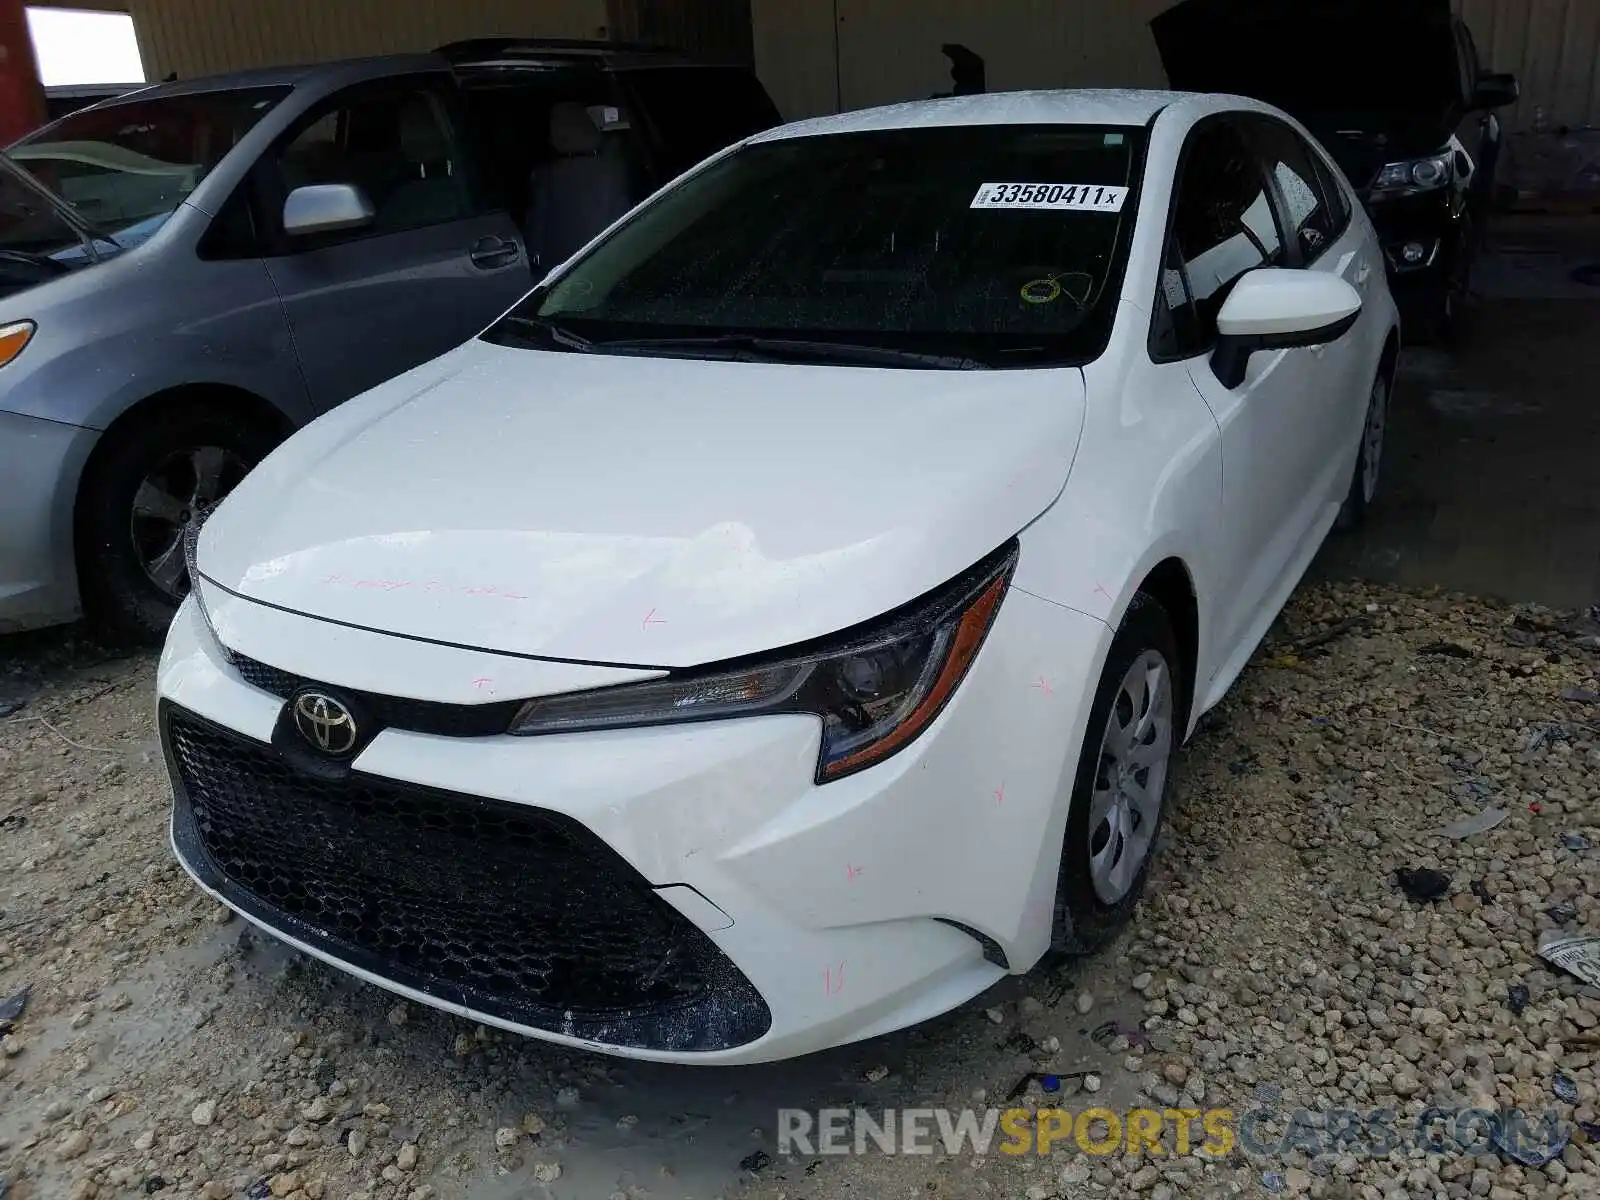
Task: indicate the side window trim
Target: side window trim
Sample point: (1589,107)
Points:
(1169,251)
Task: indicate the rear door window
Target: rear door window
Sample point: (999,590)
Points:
(692,112)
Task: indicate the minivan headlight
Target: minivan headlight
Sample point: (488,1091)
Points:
(1414,175)
(874,689)
(13,338)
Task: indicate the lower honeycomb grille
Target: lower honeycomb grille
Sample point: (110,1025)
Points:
(514,912)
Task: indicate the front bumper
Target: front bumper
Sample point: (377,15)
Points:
(1433,225)
(40,462)
(680,893)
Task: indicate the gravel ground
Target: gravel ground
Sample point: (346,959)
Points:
(168,1050)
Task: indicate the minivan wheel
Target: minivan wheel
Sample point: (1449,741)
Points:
(1119,794)
(141,490)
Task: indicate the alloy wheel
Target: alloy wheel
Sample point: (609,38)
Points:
(183,485)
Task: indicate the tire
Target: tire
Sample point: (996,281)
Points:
(1447,322)
(1369,459)
(140,489)
(1097,889)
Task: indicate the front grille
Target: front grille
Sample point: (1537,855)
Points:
(397,712)
(511,911)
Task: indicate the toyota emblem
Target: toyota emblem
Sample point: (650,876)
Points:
(325,723)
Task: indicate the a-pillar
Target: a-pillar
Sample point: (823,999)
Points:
(21,95)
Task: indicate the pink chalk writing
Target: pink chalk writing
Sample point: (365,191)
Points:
(850,872)
(1043,685)
(482,682)
(650,619)
(1101,591)
(833,980)
(1000,793)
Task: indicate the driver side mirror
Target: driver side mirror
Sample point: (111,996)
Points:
(326,208)
(1494,91)
(1278,308)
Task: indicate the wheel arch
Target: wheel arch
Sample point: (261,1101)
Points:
(1171,585)
(1389,358)
(250,406)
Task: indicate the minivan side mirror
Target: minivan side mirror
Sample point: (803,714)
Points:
(326,208)
(1495,91)
(1278,308)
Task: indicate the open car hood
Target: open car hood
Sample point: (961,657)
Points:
(1374,65)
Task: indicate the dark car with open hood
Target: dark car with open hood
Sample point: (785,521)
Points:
(1396,92)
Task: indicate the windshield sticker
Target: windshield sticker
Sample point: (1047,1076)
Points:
(1058,197)
(1047,291)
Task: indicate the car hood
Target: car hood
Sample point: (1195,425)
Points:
(1362,64)
(653,512)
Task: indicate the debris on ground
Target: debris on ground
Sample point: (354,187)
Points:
(1581,696)
(8,707)
(1466,827)
(1564,1089)
(1578,955)
(11,1010)
(1422,883)
(1575,842)
(1446,650)
(1517,997)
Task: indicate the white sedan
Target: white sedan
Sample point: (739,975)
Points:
(778,627)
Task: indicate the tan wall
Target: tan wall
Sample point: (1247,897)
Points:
(888,50)
(1552,46)
(203,37)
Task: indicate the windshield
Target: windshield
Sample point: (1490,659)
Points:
(126,167)
(1001,244)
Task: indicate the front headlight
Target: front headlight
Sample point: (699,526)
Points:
(1414,175)
(191,543)
(874,689)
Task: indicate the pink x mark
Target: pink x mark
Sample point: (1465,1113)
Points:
(1044,686)
(850,872)
(1000,794)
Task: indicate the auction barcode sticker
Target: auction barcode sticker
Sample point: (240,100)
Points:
(1061,197)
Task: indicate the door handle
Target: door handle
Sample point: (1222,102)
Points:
(491,252)
(1363,269)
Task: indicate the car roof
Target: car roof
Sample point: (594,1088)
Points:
(512,52)
(339,72)
(1084,106)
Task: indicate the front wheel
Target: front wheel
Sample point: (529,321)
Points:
(1119,794)
(140,492)
(1369,459)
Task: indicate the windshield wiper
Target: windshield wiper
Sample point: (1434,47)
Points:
(553,332)
(754,348)
(29,258)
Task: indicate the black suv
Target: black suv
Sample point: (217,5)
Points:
(1395,92)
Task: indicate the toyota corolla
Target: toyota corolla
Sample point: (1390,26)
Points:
(778,627)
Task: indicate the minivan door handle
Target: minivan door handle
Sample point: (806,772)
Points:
(491,252)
